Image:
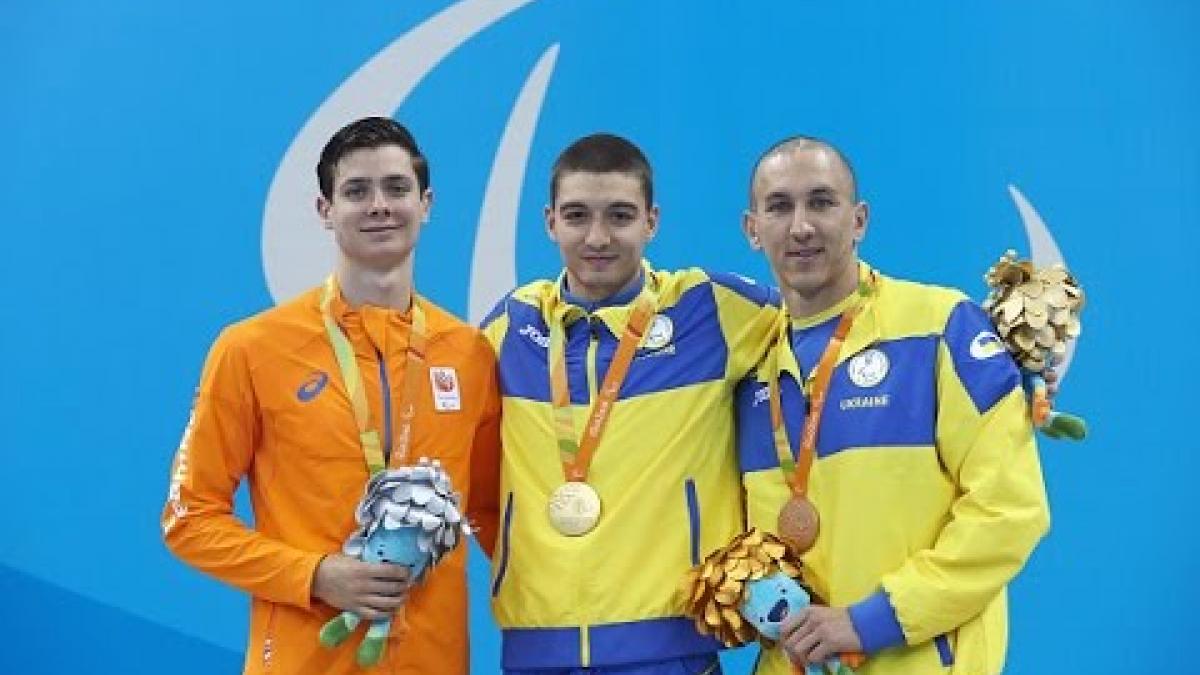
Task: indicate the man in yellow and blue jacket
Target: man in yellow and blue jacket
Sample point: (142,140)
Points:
(926,476)
(665,468)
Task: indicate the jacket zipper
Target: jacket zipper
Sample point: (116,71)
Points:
(693,507)
(506,544)
(593,347)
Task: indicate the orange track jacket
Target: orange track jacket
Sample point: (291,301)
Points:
(271,406)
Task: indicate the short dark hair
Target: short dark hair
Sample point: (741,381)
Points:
(369,132)
(603,153)
(799,142)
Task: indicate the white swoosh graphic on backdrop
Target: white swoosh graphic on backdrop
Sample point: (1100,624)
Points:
(297,251)
(493,265)
(1044,251)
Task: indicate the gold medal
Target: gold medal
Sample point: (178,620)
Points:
(574,508)
(799,524)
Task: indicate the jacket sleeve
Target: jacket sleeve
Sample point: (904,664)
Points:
(748,313)
(484,498)
(985,443)
(216,451)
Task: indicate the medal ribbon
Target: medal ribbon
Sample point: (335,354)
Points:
(797,470)
(368,438)
(576,455)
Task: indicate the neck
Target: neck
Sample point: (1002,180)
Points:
(801,304)
(389,287)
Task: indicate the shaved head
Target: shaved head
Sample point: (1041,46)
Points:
(806,217)
(796,143)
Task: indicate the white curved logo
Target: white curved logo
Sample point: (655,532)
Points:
(1044,251)
(985,345)
(297,252)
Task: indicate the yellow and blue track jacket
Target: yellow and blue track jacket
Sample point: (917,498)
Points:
(666,469)
(927,477)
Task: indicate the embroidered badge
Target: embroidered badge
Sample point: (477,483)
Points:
(868,368)
(660,332)
(444,381)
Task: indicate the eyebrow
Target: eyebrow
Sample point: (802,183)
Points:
(579,204)
(623,205)
(391,178)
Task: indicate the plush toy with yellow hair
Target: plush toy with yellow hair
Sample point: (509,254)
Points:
(1036,312)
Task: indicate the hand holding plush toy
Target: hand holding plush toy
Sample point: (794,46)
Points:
(745,591)
(1036,311)
(408,516)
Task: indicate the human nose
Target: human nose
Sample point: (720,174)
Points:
(801,226)
(379,203)
(597,236)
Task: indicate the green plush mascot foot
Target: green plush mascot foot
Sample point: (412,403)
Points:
(338,629)
(371,650)
(1064,425)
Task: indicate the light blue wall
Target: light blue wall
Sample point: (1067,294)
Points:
(141,139)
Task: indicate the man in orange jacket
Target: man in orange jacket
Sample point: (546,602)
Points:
(273,406)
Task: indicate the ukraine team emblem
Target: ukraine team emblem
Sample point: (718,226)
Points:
(660,332)
(868,368)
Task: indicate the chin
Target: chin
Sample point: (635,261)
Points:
(384,256)
(805,282)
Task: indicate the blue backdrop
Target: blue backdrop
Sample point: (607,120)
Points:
(145,142)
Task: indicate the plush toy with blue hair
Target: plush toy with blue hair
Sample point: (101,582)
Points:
(409,516)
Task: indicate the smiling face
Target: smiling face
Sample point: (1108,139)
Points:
(770,600)
(376,206)
(805,216)
(601,223)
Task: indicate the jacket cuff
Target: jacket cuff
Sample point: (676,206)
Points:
(307,576)
(875,622)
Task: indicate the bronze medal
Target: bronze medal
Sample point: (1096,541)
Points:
(799,524)
(574,508)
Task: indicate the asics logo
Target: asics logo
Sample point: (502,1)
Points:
(312,386)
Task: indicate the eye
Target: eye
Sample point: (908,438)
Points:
(778,207)
(821,203)
(354,192)
(621,217)
(575,216)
